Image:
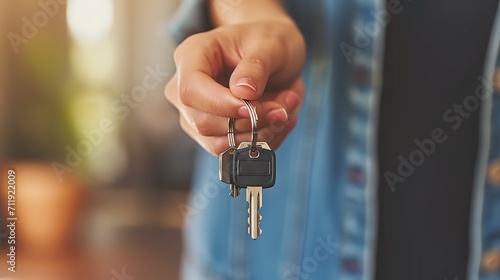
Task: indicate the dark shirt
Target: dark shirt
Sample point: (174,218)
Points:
(429,125)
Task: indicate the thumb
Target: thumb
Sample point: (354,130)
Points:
(249,78)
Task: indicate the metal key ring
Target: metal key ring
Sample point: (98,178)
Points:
(230,133)
(254,118)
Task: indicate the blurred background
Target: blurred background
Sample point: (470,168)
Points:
(101,165)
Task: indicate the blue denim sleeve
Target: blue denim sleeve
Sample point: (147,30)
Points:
(192,17)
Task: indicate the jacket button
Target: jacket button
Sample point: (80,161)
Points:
(494,173)
(491,261)
(356,175)
(496,80)
(351,265)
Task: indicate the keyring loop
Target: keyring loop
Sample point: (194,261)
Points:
(254,119)
(230,133)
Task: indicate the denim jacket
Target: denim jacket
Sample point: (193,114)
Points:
(320,219)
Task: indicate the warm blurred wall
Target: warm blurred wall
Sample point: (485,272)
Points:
(35,81)
(159,151)
(2,82)
(149,47)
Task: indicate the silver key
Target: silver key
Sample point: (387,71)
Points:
(226,162)
(225,170)
(254,200)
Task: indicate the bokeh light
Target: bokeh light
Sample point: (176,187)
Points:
(90,21)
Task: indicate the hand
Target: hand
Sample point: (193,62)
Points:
(258,61)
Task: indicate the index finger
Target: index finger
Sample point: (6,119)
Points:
(199,91)
(198,65)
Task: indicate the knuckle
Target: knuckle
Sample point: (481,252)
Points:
(217,106)
(185,48)
(168,92)
(218,146)
(258,64)
(203,123)
(185,91)
(180,50)
(212,150)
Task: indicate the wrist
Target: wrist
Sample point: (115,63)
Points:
(230,12)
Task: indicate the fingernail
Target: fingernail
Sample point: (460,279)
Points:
(247,82)
(243,112)
(278,115)
(292,101)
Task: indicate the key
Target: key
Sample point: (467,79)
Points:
(254,171)
(226,170)
(226,161)
(234,191)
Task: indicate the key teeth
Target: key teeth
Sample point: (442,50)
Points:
(258,235)
(254,199)
(260,219)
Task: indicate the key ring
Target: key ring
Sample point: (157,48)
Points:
(254,118)
(230,133)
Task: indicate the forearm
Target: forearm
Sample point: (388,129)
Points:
(226,12)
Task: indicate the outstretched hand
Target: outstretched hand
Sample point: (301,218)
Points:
(257,61)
